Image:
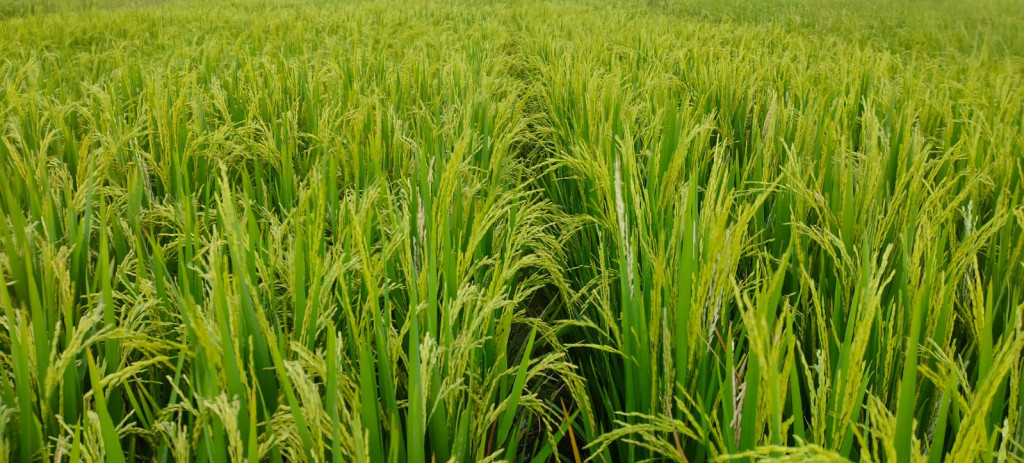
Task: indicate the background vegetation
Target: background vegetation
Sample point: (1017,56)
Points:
(310,230)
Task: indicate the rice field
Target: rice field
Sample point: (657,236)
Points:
(524,231)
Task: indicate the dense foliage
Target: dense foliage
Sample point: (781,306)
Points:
(312,230)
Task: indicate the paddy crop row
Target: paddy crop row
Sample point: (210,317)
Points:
(310,230)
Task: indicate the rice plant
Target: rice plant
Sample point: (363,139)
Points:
(315,230)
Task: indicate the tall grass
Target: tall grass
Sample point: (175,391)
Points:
(301,230)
